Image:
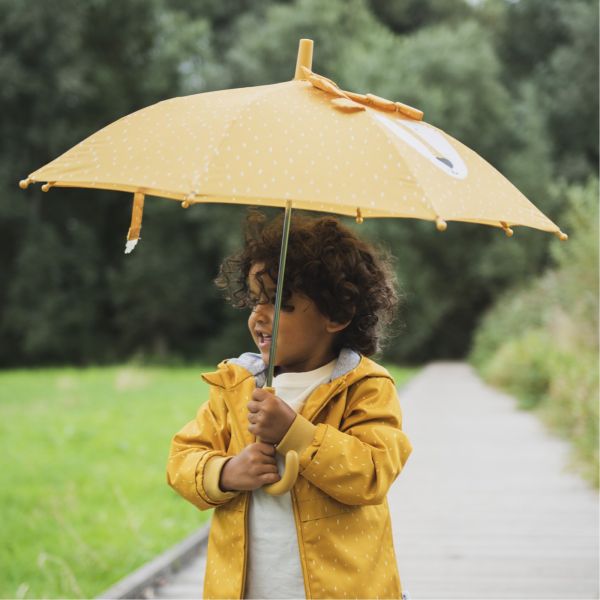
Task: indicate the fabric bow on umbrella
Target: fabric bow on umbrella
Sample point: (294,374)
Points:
(304,144)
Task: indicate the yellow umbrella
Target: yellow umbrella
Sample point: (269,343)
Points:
(303,140)
(303,143)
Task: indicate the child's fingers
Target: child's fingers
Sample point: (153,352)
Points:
(270,477)
(262,460)
(253,406)
(253,417)
(267,468)
(260,394)
(267,449)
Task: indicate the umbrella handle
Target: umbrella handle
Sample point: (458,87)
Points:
(290,471)
(288,479)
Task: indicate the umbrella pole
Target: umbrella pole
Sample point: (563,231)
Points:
(287,220)
(292,461)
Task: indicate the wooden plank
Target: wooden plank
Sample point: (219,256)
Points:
(140,583)
(486,507)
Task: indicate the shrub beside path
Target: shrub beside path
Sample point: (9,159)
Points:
(485,507)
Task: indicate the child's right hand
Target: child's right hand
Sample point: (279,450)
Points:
(252,468)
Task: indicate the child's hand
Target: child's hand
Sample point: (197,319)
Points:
(270,417)
(252,468)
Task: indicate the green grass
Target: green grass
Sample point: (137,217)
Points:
(83,494)
(401,375)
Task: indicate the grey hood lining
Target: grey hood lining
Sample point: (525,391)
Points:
(347,360)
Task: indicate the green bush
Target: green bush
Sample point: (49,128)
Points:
(573,409)
(524,366)
(540,342)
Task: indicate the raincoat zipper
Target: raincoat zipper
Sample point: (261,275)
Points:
(300,542)
(245,568)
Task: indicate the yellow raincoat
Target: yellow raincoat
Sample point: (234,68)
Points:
(351,447)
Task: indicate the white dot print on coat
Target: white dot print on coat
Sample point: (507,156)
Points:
(429,143)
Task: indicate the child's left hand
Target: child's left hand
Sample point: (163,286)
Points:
(270,417)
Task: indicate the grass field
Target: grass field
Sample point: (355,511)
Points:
(83,495)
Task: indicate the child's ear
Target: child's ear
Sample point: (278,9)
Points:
(334,326)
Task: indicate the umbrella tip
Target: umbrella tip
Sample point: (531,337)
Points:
(24,183)
(440,224)
(187,201)
(305,54)
(563,237)
(130,245)
(507,230)
(137,211)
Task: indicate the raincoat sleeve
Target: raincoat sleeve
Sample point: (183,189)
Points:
(198,453)
(357,463)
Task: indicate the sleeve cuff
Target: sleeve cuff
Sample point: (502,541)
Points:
(212,474)
(298,437)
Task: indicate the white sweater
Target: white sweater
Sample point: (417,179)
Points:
(274,569)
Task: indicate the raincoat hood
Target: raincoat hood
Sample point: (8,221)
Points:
(252,364)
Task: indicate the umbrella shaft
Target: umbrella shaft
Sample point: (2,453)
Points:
(287,220)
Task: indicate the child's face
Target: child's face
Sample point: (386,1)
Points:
(305,339)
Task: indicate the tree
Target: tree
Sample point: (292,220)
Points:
(509,79)
(552,47)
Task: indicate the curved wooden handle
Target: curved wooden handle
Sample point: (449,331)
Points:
(288,478)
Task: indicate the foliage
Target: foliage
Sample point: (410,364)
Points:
(47,310)
(540,341)
(513,80)
(82,489)
(545,42)
(411,15)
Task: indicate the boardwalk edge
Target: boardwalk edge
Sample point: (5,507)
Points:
(139,584)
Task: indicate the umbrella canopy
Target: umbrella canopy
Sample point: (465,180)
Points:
(303,140)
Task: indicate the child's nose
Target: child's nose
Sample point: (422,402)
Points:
(263,312)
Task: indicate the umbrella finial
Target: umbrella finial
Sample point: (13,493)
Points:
(305,53)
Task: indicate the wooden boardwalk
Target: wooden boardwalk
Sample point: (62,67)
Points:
(485,507)
(187,583)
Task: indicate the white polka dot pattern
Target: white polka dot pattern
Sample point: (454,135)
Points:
(267,144)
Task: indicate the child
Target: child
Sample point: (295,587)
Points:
(330,536)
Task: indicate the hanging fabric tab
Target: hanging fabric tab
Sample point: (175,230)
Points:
(133,235)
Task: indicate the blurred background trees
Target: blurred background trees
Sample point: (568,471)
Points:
(517,81)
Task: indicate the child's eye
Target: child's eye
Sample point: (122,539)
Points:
(287,307)
(253,301)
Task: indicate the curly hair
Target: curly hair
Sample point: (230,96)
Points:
(346,277)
